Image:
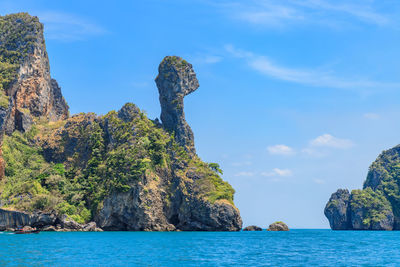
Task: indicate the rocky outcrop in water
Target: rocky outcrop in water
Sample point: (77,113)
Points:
(337,210)
(252,228)
(278,226)
(376,207)
(11,220)
(176,79)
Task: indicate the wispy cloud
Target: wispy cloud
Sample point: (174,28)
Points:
(268,14)
(242,163)
(284,13)
(278,172)
(327,140)
(371,116)
(68,27)
(361,10)
(277,175)
(245,174)
(281,150)
(319,181)
(314,77)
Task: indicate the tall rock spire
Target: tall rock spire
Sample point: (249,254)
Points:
(176,79)
(27,89)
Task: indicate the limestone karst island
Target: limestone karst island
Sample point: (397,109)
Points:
(377,205)
(199,133)
(120,171)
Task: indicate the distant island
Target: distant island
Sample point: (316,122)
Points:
(377,205)
(120,171)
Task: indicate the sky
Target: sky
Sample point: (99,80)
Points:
(296,98)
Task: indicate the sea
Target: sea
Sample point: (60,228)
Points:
(294,248)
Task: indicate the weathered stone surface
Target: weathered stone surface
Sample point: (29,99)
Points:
(68,223)
(337,210)
(49,228)
(33,93)
(176,79)
(143,209)
(252,228)
(139,209)
(278,226)
(91,227)
(14,219)
(198,215)
(42,221)
(23,120)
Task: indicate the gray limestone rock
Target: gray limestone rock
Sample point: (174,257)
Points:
(176,79)
(252,228)
(278,226)
(337,210)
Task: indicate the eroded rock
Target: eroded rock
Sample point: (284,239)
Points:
(278,226)
(176,79)
(337,210)
(252,228)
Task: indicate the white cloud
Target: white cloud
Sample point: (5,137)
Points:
(277,175)
(245,174)
(278,172)
(269,15)
(371,116)
(319,181)
(327,140)
(316,77)
(280,150)
(361,11)
(240,164)
(68,27)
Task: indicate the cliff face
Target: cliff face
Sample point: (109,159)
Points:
(377,206)
(26,81)
(122,169)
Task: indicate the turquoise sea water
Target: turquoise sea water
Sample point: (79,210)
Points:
(294,248)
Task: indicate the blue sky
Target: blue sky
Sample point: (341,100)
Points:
(296,98)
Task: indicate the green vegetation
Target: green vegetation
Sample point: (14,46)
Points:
(373,205)
(176,61)
(215,167)
(31,183)
(76,184)
(384,175)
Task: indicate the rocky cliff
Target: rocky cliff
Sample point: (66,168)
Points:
(377,205)
(28,91)
(121,170)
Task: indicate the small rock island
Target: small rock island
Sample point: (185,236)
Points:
(278,226)
(252,228)
(120,171)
